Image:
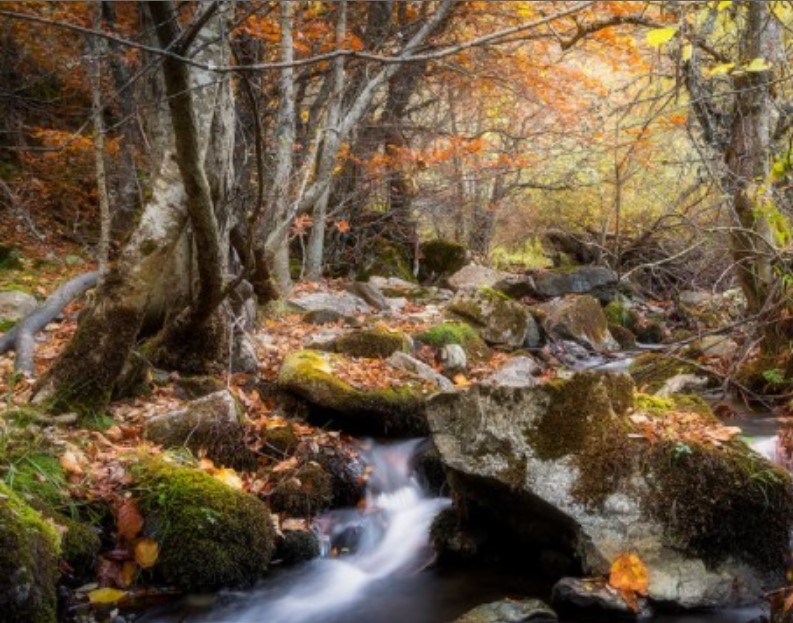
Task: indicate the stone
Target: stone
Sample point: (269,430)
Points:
(517,372)
(683,384)
(297,546)
(716,346)
(323,316)
(567,460)
(440,258)
(509,611)
(403,361)
(370,294)
(371,343)
(15,305)
(575,596)
(579,318)
(596,280)
(459,333)
(343,303)
(474,277)
(243,355)
(498,319)
(454,359)
(394,410)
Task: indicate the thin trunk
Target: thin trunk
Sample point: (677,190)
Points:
(97,46)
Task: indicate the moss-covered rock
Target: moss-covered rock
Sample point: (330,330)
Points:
(625,337)
(194,387)
(210,535)
(458,333)
(498,319)
(618,313)
(441,258)
(371,343)
(29,549)
(651,371)
(569,458)
(80,545)
(297,546)
(579,318)
(394,410)
(386,258)
(306,492)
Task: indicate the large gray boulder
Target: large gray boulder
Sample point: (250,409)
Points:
(579,318)
(15,305)
(499,320)
(343,303)
(519,371)
(596,280)
(571,461)
(474,277)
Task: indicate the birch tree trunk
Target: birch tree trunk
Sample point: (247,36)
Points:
(103,252)
(178,221)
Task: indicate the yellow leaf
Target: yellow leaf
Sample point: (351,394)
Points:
(724,4)
(687,52)
(106,596)
(147,551)
(228,477)
(758,64)
(629,573)
(721,69)
(304,115)
(660,36)
(460,380)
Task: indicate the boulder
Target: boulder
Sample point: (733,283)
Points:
(517,372)
(454,359)
(209,424)
(15,305)
(306,492)
(579,318)
(652,372)
(369,293)
(574,468)
(243,355)
(499,320)
(474,277)
(509,611)
(29,573)
(371,343)
(343,303)
(596,280)
(441,258)
(715,346)
(392,410)
(210,535)
(575,596)
(403,361)
(296,546)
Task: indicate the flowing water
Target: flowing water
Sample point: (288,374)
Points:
(384,579)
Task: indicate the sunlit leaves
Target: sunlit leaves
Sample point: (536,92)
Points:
(757,65)
(659,36)
(146,553)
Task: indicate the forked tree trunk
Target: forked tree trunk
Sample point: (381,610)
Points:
(192,179)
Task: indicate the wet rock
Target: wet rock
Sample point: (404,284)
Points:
(342,303)
(15,305)
(243,355)
(579,318)
(347,472)
(393,410)
(441,258)
(403,361)
(574,596)
(454,359)
(29,547)
(595,280)
(306,492)
(498,319)
(474,277)
(567,461)
(517,372)
(509,611)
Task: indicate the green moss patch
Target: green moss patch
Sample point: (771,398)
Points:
(651,371)
(456,333)
(441,258)
(372,343)
(210,535)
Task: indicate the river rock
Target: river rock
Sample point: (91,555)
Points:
(579,318)
(576,596)
(343,303)
(567,460)
(509,611)
(499,320)
(517,372)
(474,277)
(596,280)
(15,305)
(395,410)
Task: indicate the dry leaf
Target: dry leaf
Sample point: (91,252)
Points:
(629,573)
(228,477)
(460,380)
(147,551)
(129,521)
(128,571)
(106,596)
(286,465)
(70,464)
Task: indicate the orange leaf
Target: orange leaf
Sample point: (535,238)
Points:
(127,575)
(129,520)
(147,551)
(460,380)
(343,226)
(629,573)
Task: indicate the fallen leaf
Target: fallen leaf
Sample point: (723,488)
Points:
(128,571)
(70,464)
(629,573)
(460,380)
(147,551)
(106,596)
(129,521)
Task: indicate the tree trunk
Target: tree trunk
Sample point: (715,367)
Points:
(97,45)
(83,378)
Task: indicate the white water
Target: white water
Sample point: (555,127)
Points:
(392,534)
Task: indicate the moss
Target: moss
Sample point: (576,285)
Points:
(625,338)
(210,535)
(38,474)
(6,324)
(440,258)
(656,405)
(191,349)
(309,374)
(80,545)
(297,546)
(308,491)
(386,258)
(279,442)
(704,496)
(652,370)
(770,374)
(372,343)
(29,547)
(456,333)
(617,313)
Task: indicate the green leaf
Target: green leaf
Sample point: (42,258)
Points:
(721,69)
(106,595)
(758,64)
(658,37)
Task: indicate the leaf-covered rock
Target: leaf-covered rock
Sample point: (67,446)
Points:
(498,319)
